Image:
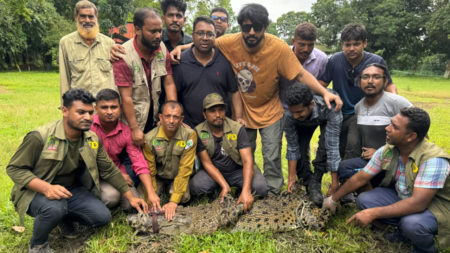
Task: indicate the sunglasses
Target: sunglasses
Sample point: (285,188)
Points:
(256,27)
(223,19)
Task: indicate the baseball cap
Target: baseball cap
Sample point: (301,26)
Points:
(211,100)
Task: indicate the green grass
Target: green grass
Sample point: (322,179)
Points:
(30,99)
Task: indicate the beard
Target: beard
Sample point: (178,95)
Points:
(149,44)
(255,43)
(88,33)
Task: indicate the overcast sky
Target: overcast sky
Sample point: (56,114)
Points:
(276,8)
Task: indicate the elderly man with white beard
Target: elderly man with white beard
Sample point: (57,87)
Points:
(84,54)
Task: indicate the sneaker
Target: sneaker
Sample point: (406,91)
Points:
(67,230)
(44,248)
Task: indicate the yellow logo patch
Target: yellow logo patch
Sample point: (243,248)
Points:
(415,168)
(232,137)
(93,144)
(181,144)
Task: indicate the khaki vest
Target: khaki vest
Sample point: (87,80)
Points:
(229,138)
(140,93)
(168,152)
(51,161)
(440,204)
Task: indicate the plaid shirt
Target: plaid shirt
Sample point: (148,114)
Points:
(432,173)
(320,116)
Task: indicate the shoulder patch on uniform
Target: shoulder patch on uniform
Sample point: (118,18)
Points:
(204,135)
(189,144)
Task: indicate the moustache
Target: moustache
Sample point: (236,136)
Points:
(369,86)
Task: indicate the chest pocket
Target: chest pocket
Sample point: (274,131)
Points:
(78,65)
(104,64)
(52,155)
(160,148)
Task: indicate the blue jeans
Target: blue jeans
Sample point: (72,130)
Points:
(348,168)
(419,228)
(83,207)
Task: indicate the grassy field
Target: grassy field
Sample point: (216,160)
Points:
(30,99)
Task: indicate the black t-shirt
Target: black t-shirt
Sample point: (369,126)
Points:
(195,81)
(220,158)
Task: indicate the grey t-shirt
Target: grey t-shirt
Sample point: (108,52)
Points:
(373,120)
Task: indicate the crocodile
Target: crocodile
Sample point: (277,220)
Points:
(285,212)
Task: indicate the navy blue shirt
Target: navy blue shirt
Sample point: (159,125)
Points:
(195,81)
(343,75)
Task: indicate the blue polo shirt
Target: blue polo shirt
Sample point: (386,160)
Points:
(195,81)
(343,76)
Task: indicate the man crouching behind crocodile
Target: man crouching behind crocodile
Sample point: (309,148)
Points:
(225,153)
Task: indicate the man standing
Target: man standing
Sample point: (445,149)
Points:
(315,62)
(306,110)
(56,173)
(415,192)
(226,156)
(221,20)
(258,60)
(203,70)
(116,138)
(172,34)
(141,71)
(374,113)
(342,69)
(84,54)
(170,153)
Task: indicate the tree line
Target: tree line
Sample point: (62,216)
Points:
(411,35)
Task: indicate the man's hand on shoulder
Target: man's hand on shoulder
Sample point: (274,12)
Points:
(117,52)
(330,97)
(242,121)
(175,55)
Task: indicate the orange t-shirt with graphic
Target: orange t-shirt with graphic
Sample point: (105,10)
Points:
(258,74)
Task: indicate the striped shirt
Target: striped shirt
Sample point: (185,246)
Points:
(432,174)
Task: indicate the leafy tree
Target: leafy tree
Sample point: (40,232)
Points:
(286,24)
(12,37)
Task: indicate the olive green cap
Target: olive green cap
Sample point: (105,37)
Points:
(211,100)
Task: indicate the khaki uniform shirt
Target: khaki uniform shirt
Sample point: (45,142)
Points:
(42,154)
(83,66)
(171,159)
